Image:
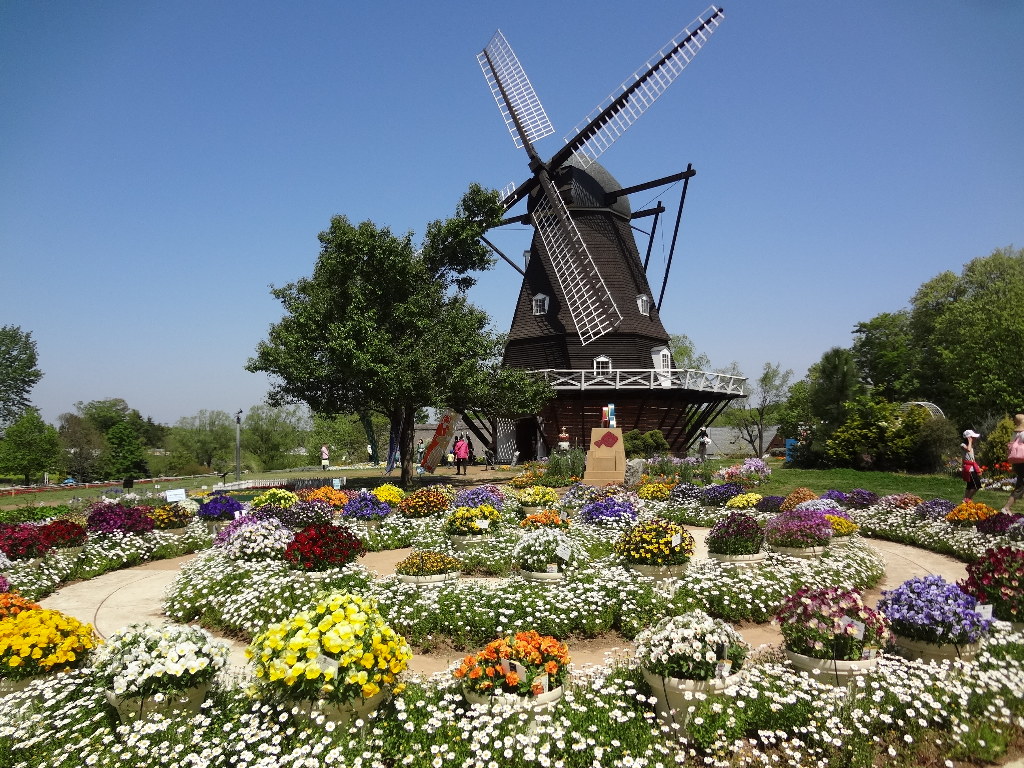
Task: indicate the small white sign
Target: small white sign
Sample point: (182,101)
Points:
(563,552)
(174,495)
(723,668)
(327,664)
(336,483)
(519,669)
(551,568)
(984,610)
(868,652)
(543,681)
(858,626)
(484,524)
(677,540)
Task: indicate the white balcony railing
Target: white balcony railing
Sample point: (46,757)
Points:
(651,378)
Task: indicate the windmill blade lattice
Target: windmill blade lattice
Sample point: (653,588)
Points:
(589,301)
(502,70)
(621,109)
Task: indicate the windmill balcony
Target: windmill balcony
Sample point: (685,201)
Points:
(641,378)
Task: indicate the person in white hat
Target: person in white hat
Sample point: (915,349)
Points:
(971,472)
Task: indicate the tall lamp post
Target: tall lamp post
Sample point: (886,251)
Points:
(238,446)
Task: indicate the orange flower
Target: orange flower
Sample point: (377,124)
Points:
(475,673)
(551,667)
(512,679)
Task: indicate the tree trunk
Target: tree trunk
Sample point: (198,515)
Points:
(405,443)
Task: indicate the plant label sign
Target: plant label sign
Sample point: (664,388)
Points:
(858,627)
(543,681)
(984,610)
(483,524)
(722,669)
(677,540)
(551,568)
(336,483)
(563,552)
(868,652)
(327,664)
(174,495)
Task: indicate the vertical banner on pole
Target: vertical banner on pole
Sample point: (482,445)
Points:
(393,448)
(438,445)
(611,416)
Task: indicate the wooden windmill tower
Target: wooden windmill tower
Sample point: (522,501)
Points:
(586,318)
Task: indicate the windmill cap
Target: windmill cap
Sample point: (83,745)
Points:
(970,433)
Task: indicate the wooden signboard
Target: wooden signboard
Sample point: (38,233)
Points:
(606,457)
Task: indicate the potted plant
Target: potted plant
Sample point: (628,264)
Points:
(469,526)
(428,568)
(364,507)
(38,642)
(795,497)
(544,554)
(831,631)
(995,578)
(254,538)
(344,670)
(843,528)
(170,517)
(969,513)
(324,546)
(657,548)
(744,501)
(655,491)
(389,493)
(548,518)
(526,667)
(608,512)
(536,497)
(424,503)
(218,510)
(115,518)
(932,619)
(798,533)
(22,541)
(482,494)
(145,668)
(336,497)
(274,497)
(303,514)
(682,655)
(737,539)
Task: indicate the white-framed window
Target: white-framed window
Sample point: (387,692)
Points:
(602,364)
(643,303)
(666,360)
(540,304)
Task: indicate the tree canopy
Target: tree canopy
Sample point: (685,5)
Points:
(30,446)
(381,326)
(18,371)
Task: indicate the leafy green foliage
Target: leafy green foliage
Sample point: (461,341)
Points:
(645,444)
(18,371)
(126,454)
(30,446)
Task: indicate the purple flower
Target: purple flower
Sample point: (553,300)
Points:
(928,608)
(580,494)
(837,496)
(798,528)
(821,505)
(769,504)
(999,523)
(220,506)
(737,534)
(365,506)
(607,511)
(5,585)
(936,509)
(476,497)
(114,518)
(303,514)
(684,492)
(717,495)
(859,498)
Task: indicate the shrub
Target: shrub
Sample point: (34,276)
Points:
(423,503)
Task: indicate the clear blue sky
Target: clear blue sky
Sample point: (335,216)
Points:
(161,164)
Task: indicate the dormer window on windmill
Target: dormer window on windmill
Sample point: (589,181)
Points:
(643,303)
(540,304)
(602,364)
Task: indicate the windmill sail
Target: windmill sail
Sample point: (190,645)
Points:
(590,302)
(511,88)
(622,108)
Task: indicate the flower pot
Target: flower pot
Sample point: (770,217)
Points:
(175,531)
(542,575)
(466,543)
(214,527)
(541,701)
(531,510)
(181,703)
(739,561)
(340,714)
(678,697)
(71,551)
(9,685)
(921,650)
(434,578)
(369,526)
(659,571)
(841,541)
(831,671)
(807,553)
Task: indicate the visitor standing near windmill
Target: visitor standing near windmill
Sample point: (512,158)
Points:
(971,472)
(461,451)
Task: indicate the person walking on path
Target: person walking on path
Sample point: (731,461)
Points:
(461,452)
(971,472)
(325,457)
(420,449)
(1015,451)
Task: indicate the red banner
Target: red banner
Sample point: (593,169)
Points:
(438,445)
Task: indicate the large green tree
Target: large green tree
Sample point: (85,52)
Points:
(106,413)
(763,406)
(887,358)
(18,372)
(206,438)
(125,456)
(83,446)
(30,446)
(836,382)
(270,433)
(381,326)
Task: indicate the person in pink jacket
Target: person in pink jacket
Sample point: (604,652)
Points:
(461,451)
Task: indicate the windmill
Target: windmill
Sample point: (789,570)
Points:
(586,318)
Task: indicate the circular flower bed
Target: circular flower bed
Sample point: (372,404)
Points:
(527,664)
(859,498)
(428,564)
(255,539)
(969,513)
(274,497)
(547,550)
(654,491)
(11,604)
(549,518)
(469,521)
(691,647)
(798,529)
(935,509)
(388,493)
(931,610)
(770,505)
(737,534)
(795,497)
(142,659)
(339,650)
(22,541)
(336,497)
(656,542)
(320,547)
(832,623)
(997,577)
(40,641)
(423,503)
